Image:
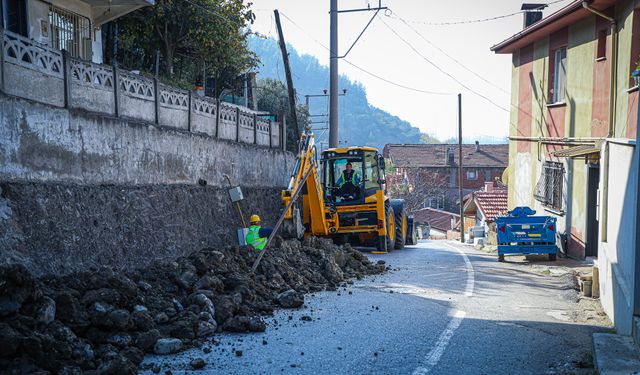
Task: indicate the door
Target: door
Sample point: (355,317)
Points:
(593,180)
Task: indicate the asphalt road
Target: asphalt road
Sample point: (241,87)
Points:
(442,309)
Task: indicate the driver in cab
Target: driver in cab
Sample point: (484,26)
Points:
(348,183)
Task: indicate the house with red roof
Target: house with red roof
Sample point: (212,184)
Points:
(487,204)
(426,175)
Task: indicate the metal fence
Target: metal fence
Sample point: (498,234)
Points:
(550,185)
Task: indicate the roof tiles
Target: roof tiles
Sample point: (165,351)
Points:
(434,155)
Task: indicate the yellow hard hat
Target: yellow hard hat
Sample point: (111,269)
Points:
(254,219)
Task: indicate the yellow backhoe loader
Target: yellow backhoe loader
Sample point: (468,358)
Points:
(363,215)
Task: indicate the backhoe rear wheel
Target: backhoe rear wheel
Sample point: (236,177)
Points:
(390,238)
(400,216)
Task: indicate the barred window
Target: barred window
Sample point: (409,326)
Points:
(70,32)
(549,186)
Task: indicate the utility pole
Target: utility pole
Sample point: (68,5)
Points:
(460,193)
(333,62)
(287,72)
(333,75)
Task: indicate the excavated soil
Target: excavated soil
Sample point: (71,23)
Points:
(103,322)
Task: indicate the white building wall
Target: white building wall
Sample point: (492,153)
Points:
(39,28)
(616,256)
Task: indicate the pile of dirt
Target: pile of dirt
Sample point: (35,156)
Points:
(103,322)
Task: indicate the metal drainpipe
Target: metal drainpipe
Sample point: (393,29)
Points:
(612,112)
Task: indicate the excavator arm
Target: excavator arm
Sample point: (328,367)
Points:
(305,177)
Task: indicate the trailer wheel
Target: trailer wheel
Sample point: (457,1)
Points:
(400,217)
(552,257)
(500,257)
(412,232)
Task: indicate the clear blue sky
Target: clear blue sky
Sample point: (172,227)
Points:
(383,53)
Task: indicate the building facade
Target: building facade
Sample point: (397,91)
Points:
(70,25)
(426,175)
(573,131)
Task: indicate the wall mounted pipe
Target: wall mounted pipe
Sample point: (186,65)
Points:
(612,110)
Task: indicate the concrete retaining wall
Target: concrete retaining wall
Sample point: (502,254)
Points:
(42,143)
(81,189)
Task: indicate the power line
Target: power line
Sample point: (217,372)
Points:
(465,22)
(451,57)
(442,70)
(364,70)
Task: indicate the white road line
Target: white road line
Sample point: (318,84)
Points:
(470,271)
(434,355)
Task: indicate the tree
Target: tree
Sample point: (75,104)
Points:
(429,139)
(418,187)
(273,98)
(194,38)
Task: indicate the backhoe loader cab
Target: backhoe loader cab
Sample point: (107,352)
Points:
(344,198)
(366,179)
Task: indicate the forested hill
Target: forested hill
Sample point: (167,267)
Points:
(360,123)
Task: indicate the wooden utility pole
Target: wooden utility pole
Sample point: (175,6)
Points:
(287,72)
(460,193)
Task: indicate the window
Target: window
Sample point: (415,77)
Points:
(70,32)
(14,16)
(436,202)
(472,175)
(559,75)
(487,175)
(549,187)
(372,179)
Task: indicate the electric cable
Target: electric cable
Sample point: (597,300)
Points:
(391,14)
(364,70)
(442,70)
(451,57)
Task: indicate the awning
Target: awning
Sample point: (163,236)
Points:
(577,151)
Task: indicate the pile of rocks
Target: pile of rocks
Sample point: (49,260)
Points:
(103,321)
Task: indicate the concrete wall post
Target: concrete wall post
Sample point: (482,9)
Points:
(190,111)
(238,124)
(217,119)
(283,131)
(270,132)
(116,90)
(66,74)
(255,128)
(156,91)
(1,60)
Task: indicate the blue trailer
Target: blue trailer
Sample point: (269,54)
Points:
(522,233)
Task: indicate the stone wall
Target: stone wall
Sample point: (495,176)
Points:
(59,228)
(81,189)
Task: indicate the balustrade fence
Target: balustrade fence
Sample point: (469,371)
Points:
(37,72)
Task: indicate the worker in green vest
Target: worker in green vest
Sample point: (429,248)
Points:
(257,236)
(349,183)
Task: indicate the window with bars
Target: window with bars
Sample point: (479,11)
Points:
(549,187)
(70,32)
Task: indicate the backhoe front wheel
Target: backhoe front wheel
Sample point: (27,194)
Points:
(386,243)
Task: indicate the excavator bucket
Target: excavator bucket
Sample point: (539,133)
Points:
(293,228)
